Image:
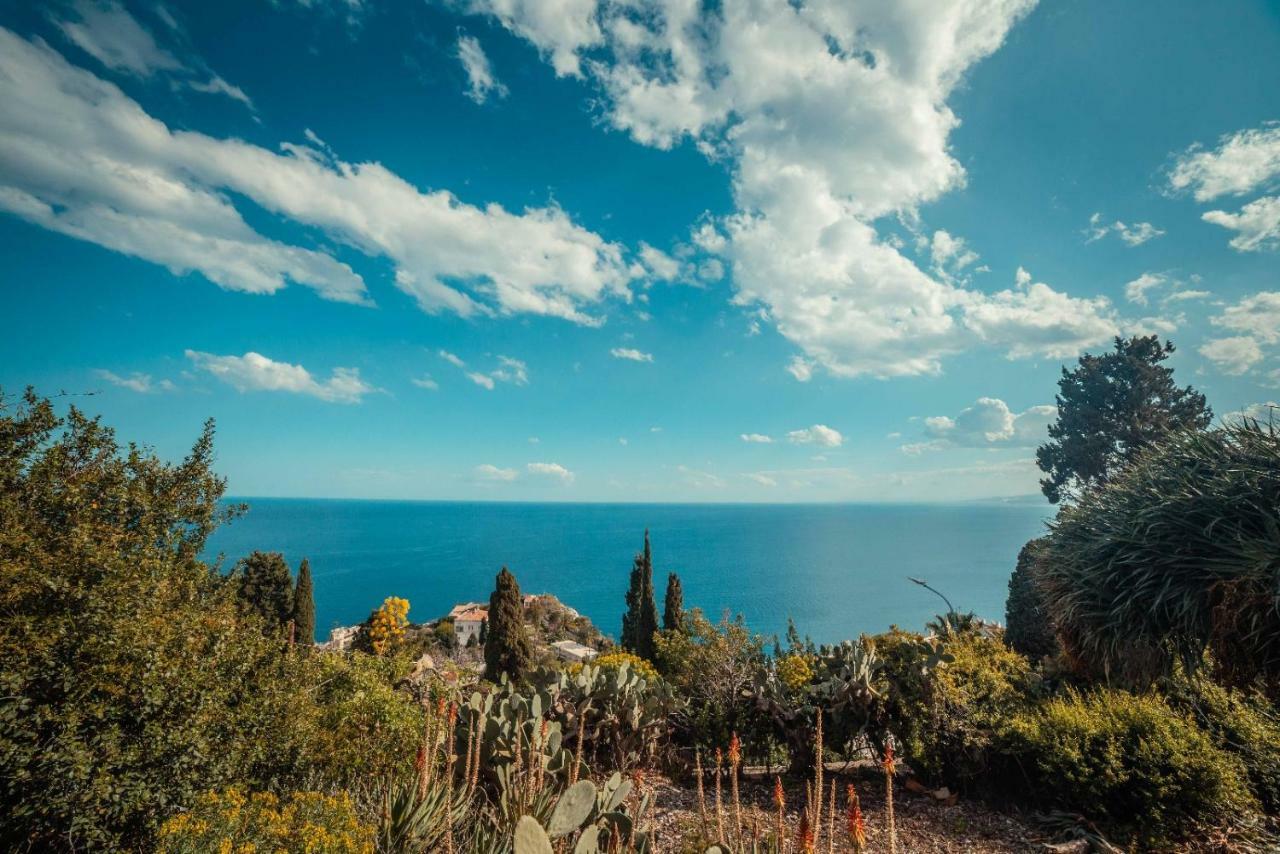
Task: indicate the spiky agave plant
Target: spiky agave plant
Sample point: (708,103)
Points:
(1177,555)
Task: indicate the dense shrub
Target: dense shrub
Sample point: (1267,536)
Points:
(947,718)
(1028,627)
(611,661)
(304,823)
(1145,772)
(1178,554)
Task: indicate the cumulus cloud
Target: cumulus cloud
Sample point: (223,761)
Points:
(1133,235)
(481,82)
(555,471)
(818,434)
(988,422)
(80,157)
(490,473)
(630,354)
(558,28)
(831,117)
(1258,315)
(1234,355)
(1136,290)
(1243,161)
(255,372)
(1257,225)
(756,438)
(658,264)
(136,381)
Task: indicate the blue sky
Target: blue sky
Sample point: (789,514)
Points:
(645,251)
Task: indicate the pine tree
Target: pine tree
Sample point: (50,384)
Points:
(640,622)
(506,647)
(304,607)
(673,612)
(266,589)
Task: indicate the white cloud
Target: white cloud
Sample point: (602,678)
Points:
(801,369)
(139,382)
(701,479)
(757,438)
(452,359)
(215,85)
(426,382)
(1242,162)
(1266,413)
(107,32)
(1257,225)
(481,83)
(1234,355)
(550,470)
(558,28)
(511,370)
(491,473)
(950,254)
(818,434)
(709,239)
(988,422)
(1136,290)
(483,380)
(630,354)
(1133,235)
(763,479)
(658,264)
(80,157)
(831,117)
(1258,315)
(1036,320)
(255,372)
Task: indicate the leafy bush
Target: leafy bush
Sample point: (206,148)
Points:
(1028,627)
(612,661)
(947,717)
(1139,768)
(305,823)
(1176,555)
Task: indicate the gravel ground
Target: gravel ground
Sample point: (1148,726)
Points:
(924,825)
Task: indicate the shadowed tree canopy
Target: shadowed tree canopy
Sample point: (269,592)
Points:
(673,610)
(640,621)
(506,646)
(266,588)
(304,606)
(1110,407)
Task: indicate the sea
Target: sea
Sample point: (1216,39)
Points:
(837,570)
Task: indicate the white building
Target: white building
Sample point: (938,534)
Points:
(468,621)
(340,639)
(573,651)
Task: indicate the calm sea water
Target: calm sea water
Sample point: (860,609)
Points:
(838,570)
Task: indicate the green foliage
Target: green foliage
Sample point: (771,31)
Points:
(711,666)
(640,622)
(1028,626)
(1143,771)
(266,589)
(304,607)
(507,651)
(947,717)
(304,823)
(130,680)
(593,820)
(1110,408)
(673,606)
(1176,555)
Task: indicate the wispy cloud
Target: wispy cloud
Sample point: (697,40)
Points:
(255,372)
(631,354)
(139,382)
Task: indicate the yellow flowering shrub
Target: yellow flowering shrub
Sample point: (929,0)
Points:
(386,626)
(795,671)
(233,822)
(615,660)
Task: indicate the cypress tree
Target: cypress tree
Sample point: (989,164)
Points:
(673,612)
(304,606)
(640,622)
(506,646)
(266,588)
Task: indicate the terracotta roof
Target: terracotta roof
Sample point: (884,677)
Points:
(471,615)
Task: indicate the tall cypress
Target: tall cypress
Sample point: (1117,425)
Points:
(640,621)
(673,612)
(304,607)
(506,646)
(266,588)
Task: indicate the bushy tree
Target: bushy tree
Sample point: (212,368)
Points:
(1110,407)
(1028,627)
(1174,557)
(506,647)
(304,606)
(673,610)
(130,679)
(266,588)
(640,622)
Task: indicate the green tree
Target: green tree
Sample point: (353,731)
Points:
(130,679)
(506,647)
(1028,628)
(266,588)
(673,610)
(1110,407)
(304,606)
(640,621)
